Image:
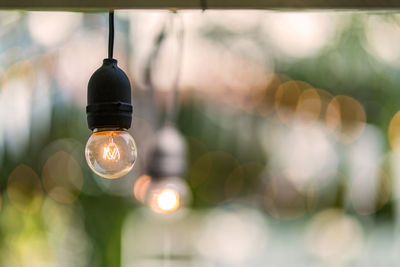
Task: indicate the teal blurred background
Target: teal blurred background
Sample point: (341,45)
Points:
(291,121)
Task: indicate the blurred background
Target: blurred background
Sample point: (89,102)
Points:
(290,120)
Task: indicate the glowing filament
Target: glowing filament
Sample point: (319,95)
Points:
(111,151)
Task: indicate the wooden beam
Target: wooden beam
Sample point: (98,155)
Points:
(102,5)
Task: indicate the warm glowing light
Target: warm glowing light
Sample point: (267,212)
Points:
(111,154)
(168,200)
(165,201)
(111,151)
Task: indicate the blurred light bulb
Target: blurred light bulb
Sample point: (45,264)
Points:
(162,195)
(111,153)
(165,201)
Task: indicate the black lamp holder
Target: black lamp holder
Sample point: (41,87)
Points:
(168,156)
(109,93)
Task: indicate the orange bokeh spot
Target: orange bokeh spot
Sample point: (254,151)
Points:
(24,189)
(345,118)
(140,188)
(286,98)
(394,133)
(309,106)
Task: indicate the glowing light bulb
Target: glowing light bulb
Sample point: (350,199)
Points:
(167,200)
(111,154)
(162,195)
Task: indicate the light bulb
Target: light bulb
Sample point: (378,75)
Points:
(162,195)
(166,200)
(111,153)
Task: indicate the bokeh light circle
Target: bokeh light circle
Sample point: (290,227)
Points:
(62,177)
(370,191)
(286,99)
(309,106)
(51,28)
(24,189)
(140,188)
(345,118)
(394,133)
(233,237)
(283,200)
(334,237)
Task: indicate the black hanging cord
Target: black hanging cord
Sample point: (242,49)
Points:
(203,5)
(153,56)
(110,34)
(172,110)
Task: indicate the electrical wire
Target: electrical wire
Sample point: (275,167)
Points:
(172,112)
(110,34)
(203,5)
(152,58)
(171,104)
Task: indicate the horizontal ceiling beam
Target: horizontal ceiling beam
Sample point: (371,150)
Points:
(101,5)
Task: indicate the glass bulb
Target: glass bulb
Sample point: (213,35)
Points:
(111,154)
(165,200)
(166,195)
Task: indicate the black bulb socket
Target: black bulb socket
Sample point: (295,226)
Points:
(168,157)
(109,103)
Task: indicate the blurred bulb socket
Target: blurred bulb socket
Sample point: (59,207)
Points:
(109,98)
(168,158)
